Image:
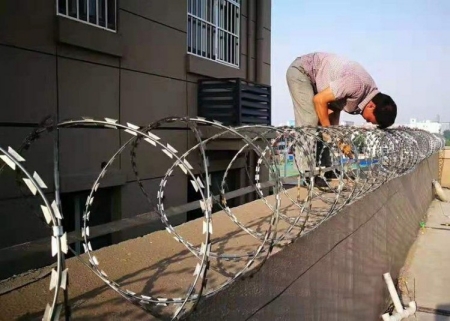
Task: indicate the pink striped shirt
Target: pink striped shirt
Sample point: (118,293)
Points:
(350,83)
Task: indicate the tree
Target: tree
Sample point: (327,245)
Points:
(447,137)
(360,143)
(447,134)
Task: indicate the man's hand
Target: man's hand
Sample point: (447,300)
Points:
(326,138)
(346,150)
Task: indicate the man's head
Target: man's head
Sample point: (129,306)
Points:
(381,111)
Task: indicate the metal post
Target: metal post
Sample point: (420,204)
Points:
(59,221)
(77,216)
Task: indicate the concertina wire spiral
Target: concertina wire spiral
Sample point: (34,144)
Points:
(360,160)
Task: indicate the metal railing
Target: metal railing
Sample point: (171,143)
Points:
(213,30)
(98,13)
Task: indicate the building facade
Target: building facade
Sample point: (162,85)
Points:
(130,60)
(347,123)
(428,125)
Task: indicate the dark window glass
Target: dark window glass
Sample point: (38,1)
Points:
(62,7)
(111,14)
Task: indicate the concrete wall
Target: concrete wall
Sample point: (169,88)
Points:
(335,272)
(55,66)
(445,167)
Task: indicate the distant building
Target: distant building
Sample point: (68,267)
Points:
(347,123)
(368,126)
(445,126)
(289,123)
(428,125)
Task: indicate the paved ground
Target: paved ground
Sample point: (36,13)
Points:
(427,271)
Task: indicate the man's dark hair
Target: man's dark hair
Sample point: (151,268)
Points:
(385,111)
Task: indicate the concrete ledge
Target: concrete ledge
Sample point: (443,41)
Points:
(333,273)
(208,68)
(445,175)
(88,37)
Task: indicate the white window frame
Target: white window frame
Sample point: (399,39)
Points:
(211,34)
(97,24)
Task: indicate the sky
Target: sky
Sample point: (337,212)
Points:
(404,45)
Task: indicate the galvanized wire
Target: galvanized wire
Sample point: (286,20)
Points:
(348,161)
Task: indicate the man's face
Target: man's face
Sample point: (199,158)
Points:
(368,114)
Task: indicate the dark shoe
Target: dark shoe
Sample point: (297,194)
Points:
(305,182)
(332,174)
(319,182)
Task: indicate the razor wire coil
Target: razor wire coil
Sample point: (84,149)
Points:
(359,160)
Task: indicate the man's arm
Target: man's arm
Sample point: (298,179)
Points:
(321,101)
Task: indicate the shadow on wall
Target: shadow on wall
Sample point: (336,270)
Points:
(443,312)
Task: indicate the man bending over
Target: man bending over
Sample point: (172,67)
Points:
(324,84)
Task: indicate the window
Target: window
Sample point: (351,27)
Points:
(100,13)
(213,30)
(104,209)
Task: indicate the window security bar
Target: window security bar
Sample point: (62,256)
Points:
(98,13)
(213,30)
